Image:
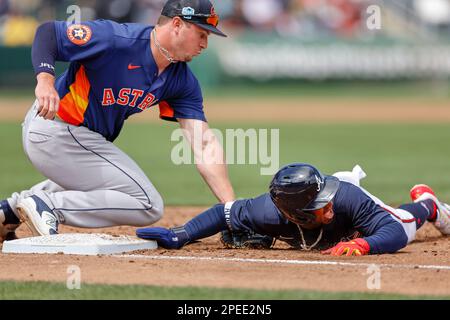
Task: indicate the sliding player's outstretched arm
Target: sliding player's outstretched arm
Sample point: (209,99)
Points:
(202,226)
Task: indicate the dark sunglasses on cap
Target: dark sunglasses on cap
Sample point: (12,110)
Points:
(211,19)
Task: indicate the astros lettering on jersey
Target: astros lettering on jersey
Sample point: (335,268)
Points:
(113,75)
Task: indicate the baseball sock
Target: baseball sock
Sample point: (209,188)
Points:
(422,211)
(7,214)
(205,225)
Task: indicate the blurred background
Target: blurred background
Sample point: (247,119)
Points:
(345,81)
(270,39)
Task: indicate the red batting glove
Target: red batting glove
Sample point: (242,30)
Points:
(356,247)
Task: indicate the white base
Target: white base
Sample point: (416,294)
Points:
(78,243)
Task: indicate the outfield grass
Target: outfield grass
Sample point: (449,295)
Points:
(437,90)
(307,89)
(394,156)
(59,291)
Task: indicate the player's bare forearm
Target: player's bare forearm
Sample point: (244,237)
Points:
(209,158)
(47,95)
(216,176)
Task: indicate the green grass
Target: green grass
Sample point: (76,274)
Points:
(395,157)
(434,90)
(58,291)
(437,90)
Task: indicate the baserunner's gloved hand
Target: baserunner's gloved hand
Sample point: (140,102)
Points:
(356,247)
(165,238)
(245,239)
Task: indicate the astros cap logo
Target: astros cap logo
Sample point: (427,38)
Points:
(79,34)
(187,12)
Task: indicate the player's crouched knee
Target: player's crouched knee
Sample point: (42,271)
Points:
(154,213)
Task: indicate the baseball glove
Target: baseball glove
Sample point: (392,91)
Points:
(245,239)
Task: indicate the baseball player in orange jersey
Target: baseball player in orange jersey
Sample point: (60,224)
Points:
(116,71)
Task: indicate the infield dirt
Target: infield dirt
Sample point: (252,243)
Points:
(403,275)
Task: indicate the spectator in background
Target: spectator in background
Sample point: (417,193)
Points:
(147,11)
(290,21)
(233,17)
(262,15)
(117,10)
(349,16)
(434,13)
(288,18)
(4,7)
(19,26)
(334,17)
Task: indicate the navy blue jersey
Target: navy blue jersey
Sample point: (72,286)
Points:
(112,75)
(356,215)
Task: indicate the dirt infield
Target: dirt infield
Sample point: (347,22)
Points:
(421,268)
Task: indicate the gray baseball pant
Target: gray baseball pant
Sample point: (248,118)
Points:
(92,183)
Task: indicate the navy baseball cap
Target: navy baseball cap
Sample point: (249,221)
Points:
(199,12)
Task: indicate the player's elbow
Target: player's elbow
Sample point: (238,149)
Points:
(388,239)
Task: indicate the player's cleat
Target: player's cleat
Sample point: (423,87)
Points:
(418,190)
(39,218)
(423,192)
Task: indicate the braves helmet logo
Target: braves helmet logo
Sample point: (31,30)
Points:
(319,182)
(79,34)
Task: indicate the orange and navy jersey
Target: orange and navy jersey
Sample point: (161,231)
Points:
(112,75)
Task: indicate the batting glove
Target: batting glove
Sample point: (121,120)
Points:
(165,238)
(356,247)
